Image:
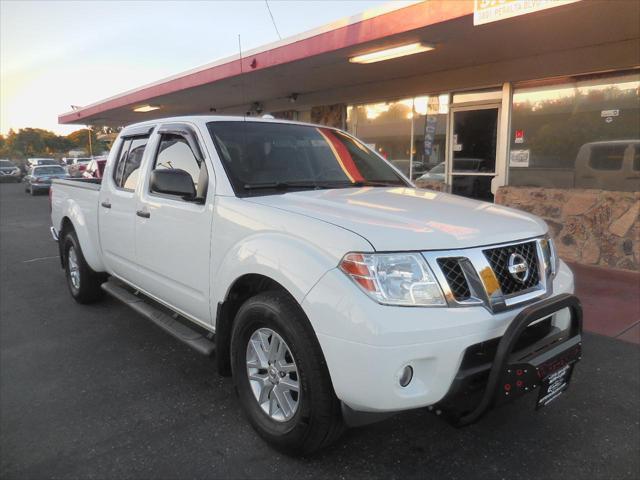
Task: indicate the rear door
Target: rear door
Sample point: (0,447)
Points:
(117,205)
(173,234)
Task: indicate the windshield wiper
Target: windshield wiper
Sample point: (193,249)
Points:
(281,185)
(360,183)
(314,185)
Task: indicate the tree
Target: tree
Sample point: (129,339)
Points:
(33,142)
(80,139)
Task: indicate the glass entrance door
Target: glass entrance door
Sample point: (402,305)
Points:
(471,164)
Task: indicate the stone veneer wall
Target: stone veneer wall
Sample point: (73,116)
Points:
(593,227)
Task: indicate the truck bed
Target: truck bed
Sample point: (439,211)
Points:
(89,183)
(77,200)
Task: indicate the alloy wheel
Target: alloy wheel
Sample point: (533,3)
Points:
(273,374)
(74,269)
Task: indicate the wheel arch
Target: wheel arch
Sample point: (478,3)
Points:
(74,219)
(242,288)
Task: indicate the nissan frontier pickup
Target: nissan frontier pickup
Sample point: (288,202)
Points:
(333,291)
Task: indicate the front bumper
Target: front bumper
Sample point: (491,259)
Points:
(10,177)
(366,345)
(520,362)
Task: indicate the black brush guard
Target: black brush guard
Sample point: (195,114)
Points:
(513,372)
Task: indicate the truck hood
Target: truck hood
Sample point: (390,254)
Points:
(395,219)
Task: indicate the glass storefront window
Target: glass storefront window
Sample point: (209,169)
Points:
(429,140)
(583,134)
(385,128)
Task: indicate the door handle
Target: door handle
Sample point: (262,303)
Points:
(106,204)
(143,214)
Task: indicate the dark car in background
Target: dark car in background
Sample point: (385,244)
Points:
(34,162)
(9,172)
(39,178)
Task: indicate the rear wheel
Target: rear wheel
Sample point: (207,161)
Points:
(281,376)
(83,282)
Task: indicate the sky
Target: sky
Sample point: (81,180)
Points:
(54,54)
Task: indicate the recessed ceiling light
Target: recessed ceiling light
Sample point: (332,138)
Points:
(146,108)
(394,52)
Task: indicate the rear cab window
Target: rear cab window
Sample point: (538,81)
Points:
(127,168)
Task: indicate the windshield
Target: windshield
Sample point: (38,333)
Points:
(6,164)
(272,157)
(48,171)
(46,162)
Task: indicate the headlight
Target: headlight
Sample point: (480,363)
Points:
(550,256)
(394,278)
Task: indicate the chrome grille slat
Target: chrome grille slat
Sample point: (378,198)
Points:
(498,259)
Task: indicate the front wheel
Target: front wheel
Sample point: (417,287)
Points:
(281,376)
(83,282)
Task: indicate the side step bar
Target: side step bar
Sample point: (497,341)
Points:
(144,307)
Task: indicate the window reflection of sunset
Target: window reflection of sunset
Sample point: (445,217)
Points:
(335,154)
(537,95)
(341,154)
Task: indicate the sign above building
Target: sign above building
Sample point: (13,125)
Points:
(487,11)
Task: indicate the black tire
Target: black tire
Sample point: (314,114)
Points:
(317,422)
(88,289)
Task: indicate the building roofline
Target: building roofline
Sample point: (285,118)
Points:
(370,25)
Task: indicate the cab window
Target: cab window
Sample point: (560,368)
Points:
(607,157)
(127,168)
(175,153)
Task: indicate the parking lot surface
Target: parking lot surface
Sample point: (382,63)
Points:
(98,392)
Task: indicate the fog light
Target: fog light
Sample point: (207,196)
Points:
(405,376)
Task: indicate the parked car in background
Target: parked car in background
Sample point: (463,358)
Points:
(39,178)
(95,168)
(330,289)
(9,172)
(402,164)
(609,164)
(436,174)
(77,166)
(34,162)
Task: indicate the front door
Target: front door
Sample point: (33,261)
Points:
(471,163)
(173,234)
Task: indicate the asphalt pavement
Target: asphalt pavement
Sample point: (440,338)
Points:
(99,392)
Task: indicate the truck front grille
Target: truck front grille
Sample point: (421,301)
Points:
(482,276)
(455,278)
(498,258)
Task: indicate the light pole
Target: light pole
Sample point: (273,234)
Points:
(90,146)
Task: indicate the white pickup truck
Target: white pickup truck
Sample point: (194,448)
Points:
(333,291)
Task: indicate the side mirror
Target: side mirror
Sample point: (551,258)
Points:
(173,182)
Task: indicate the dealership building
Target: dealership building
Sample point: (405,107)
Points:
(533,104)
